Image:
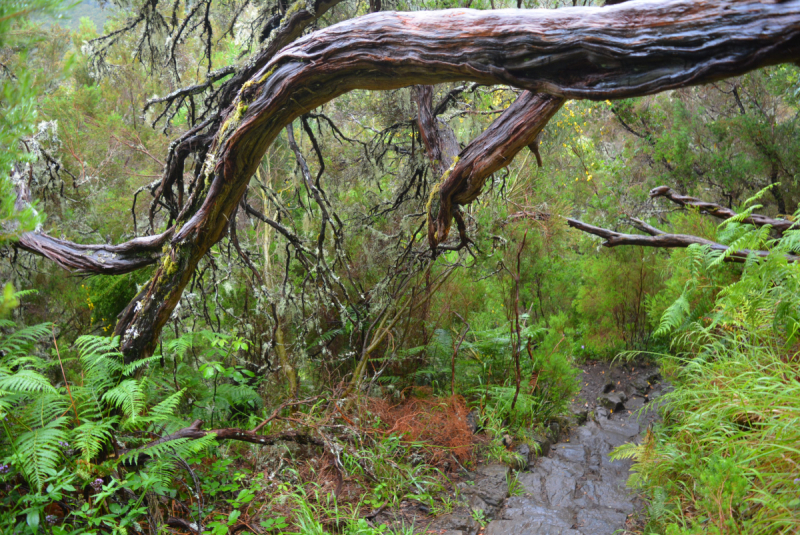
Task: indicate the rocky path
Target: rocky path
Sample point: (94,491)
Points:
(577,489)
(574,488)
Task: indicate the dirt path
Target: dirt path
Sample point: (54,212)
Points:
(574,488)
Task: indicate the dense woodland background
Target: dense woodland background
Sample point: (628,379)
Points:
(355,305)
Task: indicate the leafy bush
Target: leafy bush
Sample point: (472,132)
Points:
(725,459)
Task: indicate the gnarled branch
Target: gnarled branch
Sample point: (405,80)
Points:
(664,240)
(721,212)
(106,259)
(633,49)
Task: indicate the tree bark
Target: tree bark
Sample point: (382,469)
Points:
(107,259)
(721,212)
(664,240)
(633,49)
(439,139)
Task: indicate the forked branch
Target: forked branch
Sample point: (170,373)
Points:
(664,240)
(721,212)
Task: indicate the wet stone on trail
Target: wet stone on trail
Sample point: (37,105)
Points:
(577,489)
(571,487)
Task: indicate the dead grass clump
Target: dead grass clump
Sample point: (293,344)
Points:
(438,425)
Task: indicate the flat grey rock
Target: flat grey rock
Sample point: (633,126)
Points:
(490,485)
(625,428)
(521,508)
(527,527)
(599,521)
(573,453)
(577,489)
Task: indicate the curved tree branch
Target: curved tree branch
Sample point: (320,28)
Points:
(106,259)
(633,49)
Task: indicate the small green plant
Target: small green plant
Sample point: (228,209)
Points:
(277,523)
(479,515)
(515,487)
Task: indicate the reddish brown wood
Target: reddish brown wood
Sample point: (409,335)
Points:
(491,151)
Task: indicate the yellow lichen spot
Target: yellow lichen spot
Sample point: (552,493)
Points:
(170,267)
(266,75)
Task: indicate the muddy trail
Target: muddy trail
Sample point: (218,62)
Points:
(572,487)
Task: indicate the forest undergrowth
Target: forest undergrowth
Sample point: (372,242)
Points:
(329,357)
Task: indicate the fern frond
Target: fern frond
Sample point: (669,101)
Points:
(26,381)
(164,410)
(673,316)
(38,410)
(39,451)
(630,450)
(90,436)
(21,342)
(22,294)
(127,396)
(136,364)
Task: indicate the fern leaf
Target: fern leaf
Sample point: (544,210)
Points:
(90,436)
(39,452)
(26,381)
(166,408)
(127,396)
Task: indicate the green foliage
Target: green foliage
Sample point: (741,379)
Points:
(49,428)
(18,114)
(725,459)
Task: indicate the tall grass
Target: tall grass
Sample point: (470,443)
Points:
(727,459)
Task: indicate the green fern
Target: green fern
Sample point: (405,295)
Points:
(129,397)
(90,436)
(39,451)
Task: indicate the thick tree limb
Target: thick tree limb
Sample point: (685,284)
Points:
(517,128)
(632,49)
(107,259)
(781,225)
(439,139)
(664,240)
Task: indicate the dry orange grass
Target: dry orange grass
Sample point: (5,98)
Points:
(439,425)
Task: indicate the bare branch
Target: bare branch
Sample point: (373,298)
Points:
(664,240)
(721,212)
